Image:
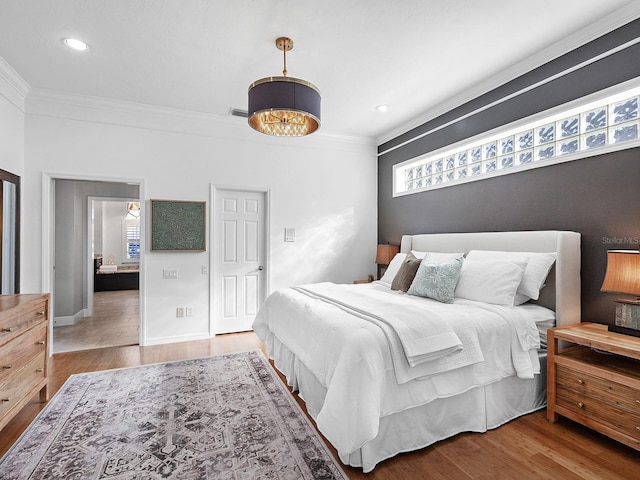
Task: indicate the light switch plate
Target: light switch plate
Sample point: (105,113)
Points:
(170,273)
(289,234)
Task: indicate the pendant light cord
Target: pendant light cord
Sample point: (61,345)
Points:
(284,52)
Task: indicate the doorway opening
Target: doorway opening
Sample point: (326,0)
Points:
(96,252)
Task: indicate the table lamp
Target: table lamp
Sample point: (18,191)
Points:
(384,255)
(623,276)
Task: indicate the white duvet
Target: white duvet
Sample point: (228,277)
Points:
(421,340)
(351,358)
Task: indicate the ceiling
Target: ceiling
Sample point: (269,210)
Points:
(418,56)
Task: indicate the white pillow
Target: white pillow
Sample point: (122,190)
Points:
(490,281)
(538,267)
(438,257)
(392,269)
(520,299)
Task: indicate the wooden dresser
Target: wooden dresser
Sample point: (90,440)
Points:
(24,351)
(595,382)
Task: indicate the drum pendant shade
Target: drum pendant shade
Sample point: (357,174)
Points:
(284,106)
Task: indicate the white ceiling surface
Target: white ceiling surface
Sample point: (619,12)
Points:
(419,56)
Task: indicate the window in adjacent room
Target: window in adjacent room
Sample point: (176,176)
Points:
(131,232)
(597,124)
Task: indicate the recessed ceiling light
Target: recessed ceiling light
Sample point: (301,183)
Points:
(75,44)
(382,108)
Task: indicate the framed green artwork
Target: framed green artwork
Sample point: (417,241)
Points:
(178,226)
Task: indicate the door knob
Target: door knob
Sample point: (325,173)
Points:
(260,267)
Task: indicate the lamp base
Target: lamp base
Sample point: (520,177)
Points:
(624,330)
(627,314)
(381,270)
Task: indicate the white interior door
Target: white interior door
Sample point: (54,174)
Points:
(239,263)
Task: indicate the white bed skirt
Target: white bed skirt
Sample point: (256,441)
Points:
(476,410)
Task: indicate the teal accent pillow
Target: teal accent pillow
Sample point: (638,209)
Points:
(437,280)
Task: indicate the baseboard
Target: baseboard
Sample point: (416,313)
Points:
(174,339)
(69,320)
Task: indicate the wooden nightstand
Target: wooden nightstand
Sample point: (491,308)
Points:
(362,281)
(599,389)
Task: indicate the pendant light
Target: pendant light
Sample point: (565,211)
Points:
(284,106)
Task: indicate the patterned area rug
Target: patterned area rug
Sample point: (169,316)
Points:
(218,418)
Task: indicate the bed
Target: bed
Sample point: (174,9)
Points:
(379,379)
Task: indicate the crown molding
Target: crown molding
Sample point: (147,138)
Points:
(56,104)
(597,29)
(12,86)
(49,102)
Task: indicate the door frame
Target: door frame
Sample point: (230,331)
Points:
(48,241)
(214,229)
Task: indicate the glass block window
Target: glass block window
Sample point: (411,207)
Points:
(584,128)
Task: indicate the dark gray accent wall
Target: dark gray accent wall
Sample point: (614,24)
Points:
(599,197)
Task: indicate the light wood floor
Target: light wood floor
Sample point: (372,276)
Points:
(526,448)
(115,322)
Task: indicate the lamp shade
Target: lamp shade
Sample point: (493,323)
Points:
(385,253)
(284,107)
(623,272)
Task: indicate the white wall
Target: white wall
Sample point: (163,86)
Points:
(98,226)
(323,186)
(12,93)
(12,90)
(68,258)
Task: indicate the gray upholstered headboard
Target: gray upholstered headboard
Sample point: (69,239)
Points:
(562,290)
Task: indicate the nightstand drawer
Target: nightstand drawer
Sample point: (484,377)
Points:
(587,407)
(607,391)
(595,381)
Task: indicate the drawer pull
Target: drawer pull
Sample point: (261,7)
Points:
(8,367)
(42,313)
(7,330)
(39,370)
(580,381)
(5,400)
(580,405)
(637,428)
(41,342)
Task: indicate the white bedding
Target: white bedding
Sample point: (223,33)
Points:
(351,359)
(477,410)
(421,340)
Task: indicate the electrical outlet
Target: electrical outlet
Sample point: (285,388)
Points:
(180,312)
(188,311)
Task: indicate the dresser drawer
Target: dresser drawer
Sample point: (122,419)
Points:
(30,314)
(16,387)
(24,352)
(600,388)
(17,354)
